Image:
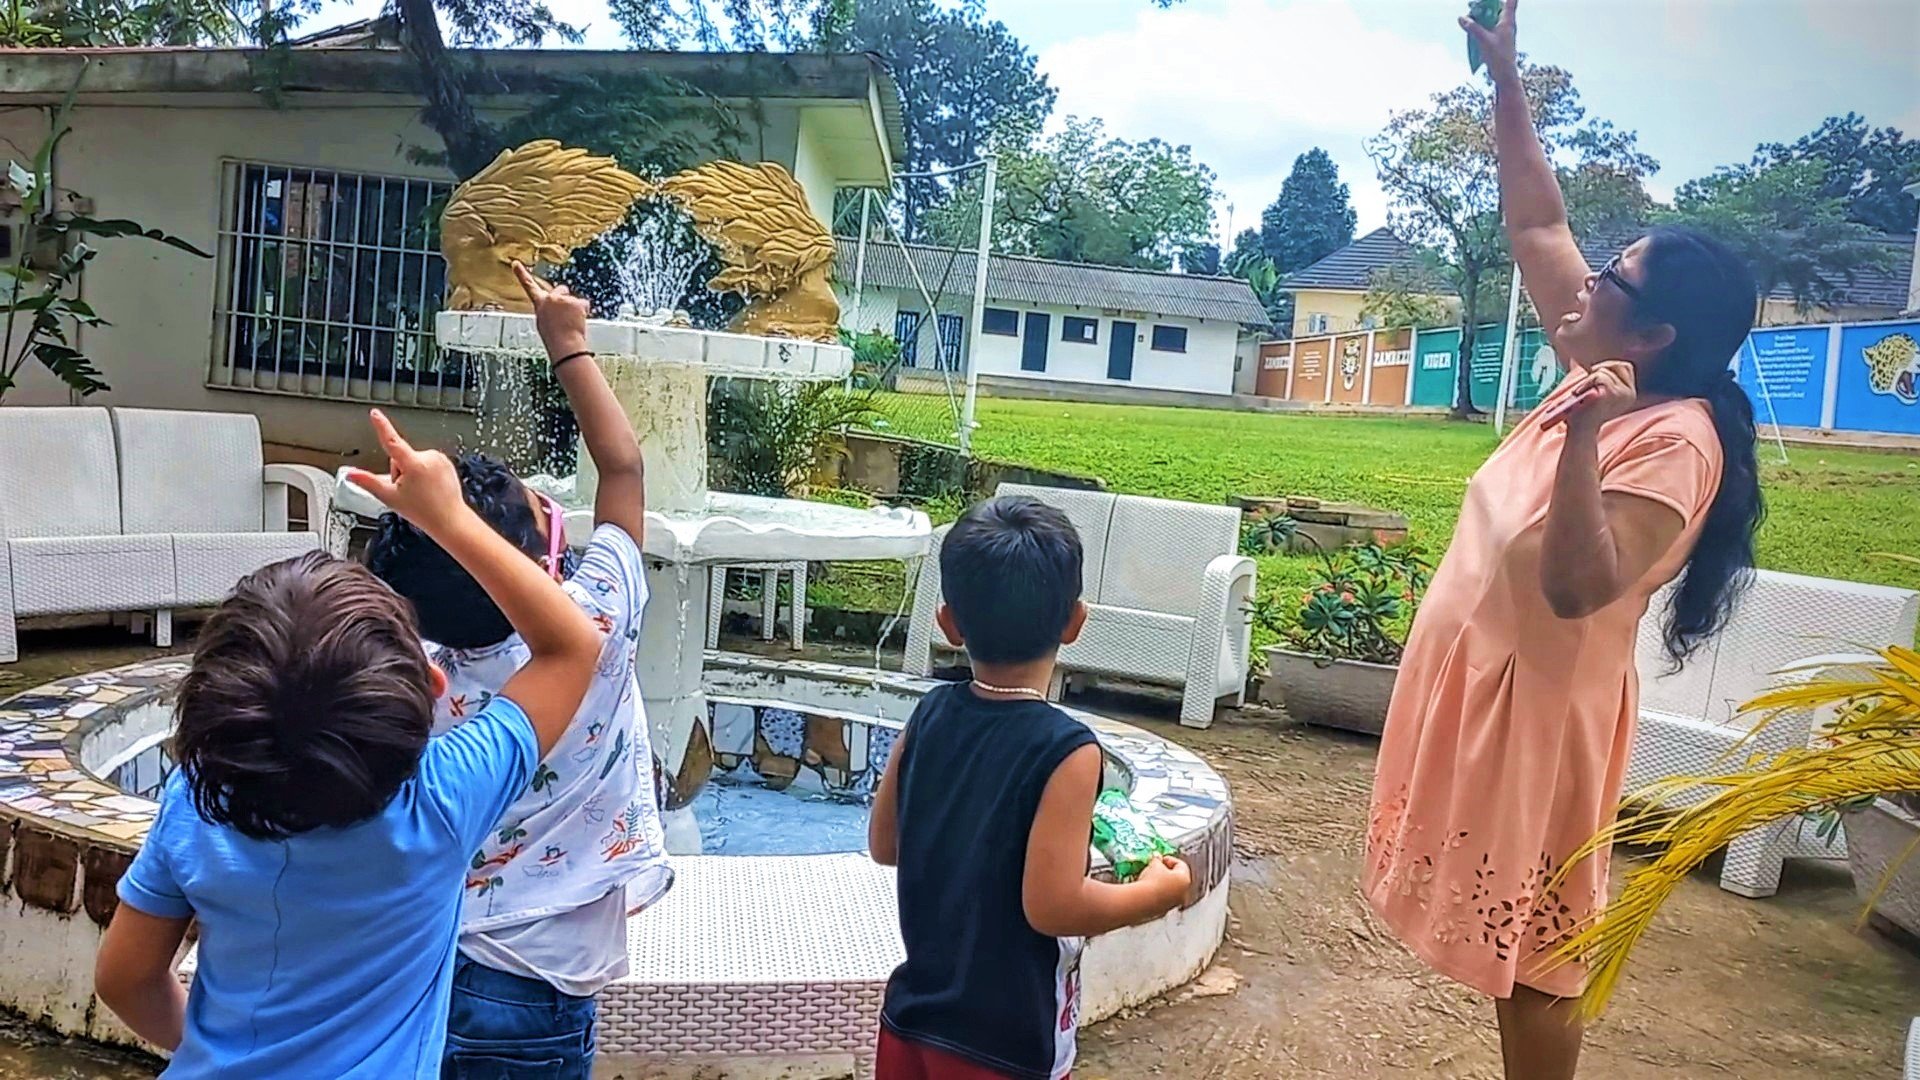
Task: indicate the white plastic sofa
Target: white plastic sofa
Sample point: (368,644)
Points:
(140,510)
(1785,628)
(1167,596)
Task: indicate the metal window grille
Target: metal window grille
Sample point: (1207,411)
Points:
(906,331)
(328,286)
(951,329)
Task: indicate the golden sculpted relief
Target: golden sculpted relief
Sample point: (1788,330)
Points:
(538,202)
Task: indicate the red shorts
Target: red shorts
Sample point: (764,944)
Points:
(899,1059)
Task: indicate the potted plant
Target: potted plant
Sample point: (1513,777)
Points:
(1343,641)
(1865,769)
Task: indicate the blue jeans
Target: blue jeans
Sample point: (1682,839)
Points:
(507,1027)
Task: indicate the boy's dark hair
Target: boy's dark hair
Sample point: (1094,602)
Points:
(452,608)
(1010,573)
(309,701)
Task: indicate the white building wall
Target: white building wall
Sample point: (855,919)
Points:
(1206,367)
(161,165)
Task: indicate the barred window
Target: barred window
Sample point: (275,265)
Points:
(329,283)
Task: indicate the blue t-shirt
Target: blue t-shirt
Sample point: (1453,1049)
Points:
(331,953)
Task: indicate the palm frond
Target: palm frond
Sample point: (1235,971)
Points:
(1871,748)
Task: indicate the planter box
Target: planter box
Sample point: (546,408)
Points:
(1877,837)
(1348,694)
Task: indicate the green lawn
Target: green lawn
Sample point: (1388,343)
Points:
(1831,510)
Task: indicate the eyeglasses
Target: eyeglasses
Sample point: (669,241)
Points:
(556,538)
(1611,273)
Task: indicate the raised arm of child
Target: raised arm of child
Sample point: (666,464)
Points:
(1060,899)
(561,318)
(423,487)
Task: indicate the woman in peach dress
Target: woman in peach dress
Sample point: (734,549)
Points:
(1507,740)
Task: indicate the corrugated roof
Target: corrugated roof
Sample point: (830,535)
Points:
(1021,280)
(1352,266)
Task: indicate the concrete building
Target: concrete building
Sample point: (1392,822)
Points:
(1329,294)
(325,278)
(1068,328)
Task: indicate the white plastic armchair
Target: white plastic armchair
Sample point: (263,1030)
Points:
(317,487)
(921,628)
(1167,601)
(1754,861)
(1222,640)
(1788,627)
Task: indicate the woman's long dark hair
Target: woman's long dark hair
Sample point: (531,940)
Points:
(1697,285)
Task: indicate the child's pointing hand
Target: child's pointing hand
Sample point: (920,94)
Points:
(419,485)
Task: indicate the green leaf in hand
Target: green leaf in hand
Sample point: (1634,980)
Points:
(1487,14)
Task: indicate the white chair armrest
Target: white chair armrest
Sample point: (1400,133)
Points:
(317,486)
(1224,608)
(926,600)
(1800,727)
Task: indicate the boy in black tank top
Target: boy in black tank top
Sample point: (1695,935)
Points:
(987,809)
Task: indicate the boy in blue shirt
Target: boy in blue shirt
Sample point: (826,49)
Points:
(548,893)
(311,827)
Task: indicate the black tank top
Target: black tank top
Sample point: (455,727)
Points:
(978,981)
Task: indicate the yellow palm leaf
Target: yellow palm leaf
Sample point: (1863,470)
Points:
(1872,748)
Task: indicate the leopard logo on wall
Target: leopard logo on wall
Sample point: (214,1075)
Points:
(1893,367)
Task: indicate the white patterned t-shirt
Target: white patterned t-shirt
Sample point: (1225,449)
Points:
(588,826)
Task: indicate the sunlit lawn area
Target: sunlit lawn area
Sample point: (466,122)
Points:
(1831,509)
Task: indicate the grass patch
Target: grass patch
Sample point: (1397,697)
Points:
(1831,509)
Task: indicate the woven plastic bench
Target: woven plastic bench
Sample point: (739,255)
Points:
(758,956)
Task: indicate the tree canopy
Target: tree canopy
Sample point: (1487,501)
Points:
(1787,221)
(966,83)
(1312,218)
(1863,166)
(1082,195)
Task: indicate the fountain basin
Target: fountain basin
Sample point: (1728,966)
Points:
(746,956)
(739,528)
(720,354)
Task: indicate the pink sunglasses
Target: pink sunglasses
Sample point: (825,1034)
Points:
(556,538)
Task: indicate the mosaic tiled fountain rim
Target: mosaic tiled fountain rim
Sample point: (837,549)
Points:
(66,835)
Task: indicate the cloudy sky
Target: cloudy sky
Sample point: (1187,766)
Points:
(1250,84)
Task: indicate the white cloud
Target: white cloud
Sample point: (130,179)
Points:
(1251,84)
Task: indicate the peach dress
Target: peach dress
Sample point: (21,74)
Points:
(1507,740)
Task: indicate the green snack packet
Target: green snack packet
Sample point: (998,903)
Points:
(1487,14)
(1125,836)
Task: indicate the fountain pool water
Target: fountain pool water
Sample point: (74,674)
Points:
(739,812)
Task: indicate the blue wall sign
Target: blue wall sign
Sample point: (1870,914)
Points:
(1790,367)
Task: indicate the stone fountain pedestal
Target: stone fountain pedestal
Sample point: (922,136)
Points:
(659,374)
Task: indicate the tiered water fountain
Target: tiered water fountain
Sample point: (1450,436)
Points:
(748,955)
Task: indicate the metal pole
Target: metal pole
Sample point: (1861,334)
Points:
(860,260)
(1509,354)
(979,304)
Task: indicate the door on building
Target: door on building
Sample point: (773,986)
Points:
(1120,351)
(1033,350)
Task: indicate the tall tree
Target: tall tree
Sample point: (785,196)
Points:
(1201,259)
(1083,196)
(1312,218)
(966,83)
(1246,250)
(1785,220)
(1439,167)
(1866,167)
